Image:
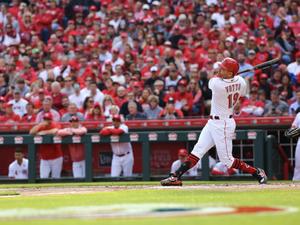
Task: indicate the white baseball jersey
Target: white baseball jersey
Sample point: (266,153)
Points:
(19,107)
(17,171)
(296,123)
(219,131)
(225,94)
(122,147)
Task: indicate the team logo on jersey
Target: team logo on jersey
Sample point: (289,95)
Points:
(19,140)
(57,139)
(95,138)
(153,210)
(134,137)
(76,139)
(152,137)
(38,140)
(172,137)
(192,136)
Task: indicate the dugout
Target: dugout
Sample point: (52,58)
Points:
(155,162)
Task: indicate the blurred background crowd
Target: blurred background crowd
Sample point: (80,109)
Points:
(143,59)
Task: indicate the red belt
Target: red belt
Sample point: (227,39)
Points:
(122,154)
(218,118)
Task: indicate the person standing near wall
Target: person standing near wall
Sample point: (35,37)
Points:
(76,150)
(122,161)
(51,154)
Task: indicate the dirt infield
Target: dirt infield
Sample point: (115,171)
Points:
(44,191)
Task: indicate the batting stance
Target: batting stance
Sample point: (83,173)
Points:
(122,160)
(226,88)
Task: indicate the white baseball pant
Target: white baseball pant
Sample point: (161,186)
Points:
(123,163)
(297,162)
(53,166)
(78,169)
(217,133)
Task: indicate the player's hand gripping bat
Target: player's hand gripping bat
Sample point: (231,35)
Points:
(261,65)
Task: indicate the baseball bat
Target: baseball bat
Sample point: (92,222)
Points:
(261,65)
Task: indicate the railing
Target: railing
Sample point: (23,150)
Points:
(145,138)
(196,123)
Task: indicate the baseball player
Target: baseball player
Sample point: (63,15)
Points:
(296,124)
(51,154)
(227,88)
(182,157)
(18,169)
(122,160)
(76,150)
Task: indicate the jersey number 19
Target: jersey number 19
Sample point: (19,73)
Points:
(232,99)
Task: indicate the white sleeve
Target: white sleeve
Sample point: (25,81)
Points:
(11,171)
(296,120)
(211,83)
(125,128)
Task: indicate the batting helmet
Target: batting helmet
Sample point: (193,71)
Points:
(230,65)
(182,152)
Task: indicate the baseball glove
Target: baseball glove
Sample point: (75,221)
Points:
(292,133)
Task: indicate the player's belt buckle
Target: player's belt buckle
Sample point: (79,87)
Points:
(122,154)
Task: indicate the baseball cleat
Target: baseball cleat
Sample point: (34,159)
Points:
(171,181)
(261,176)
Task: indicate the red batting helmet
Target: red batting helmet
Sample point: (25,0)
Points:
(230,65)
(183,152)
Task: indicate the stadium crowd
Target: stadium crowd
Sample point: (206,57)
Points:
(143,59)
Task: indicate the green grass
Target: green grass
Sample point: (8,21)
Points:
(248,197)
(8,193)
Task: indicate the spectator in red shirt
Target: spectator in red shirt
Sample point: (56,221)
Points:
(65,103)
(56,95)
(120,99)
(262,55)
(29,116)
(9,116)
(96,113)
(264,17)
(109,88)
(252,106)
(183,98)
(51,154)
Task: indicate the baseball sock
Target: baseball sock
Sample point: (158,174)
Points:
(189,163)
(239,164)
